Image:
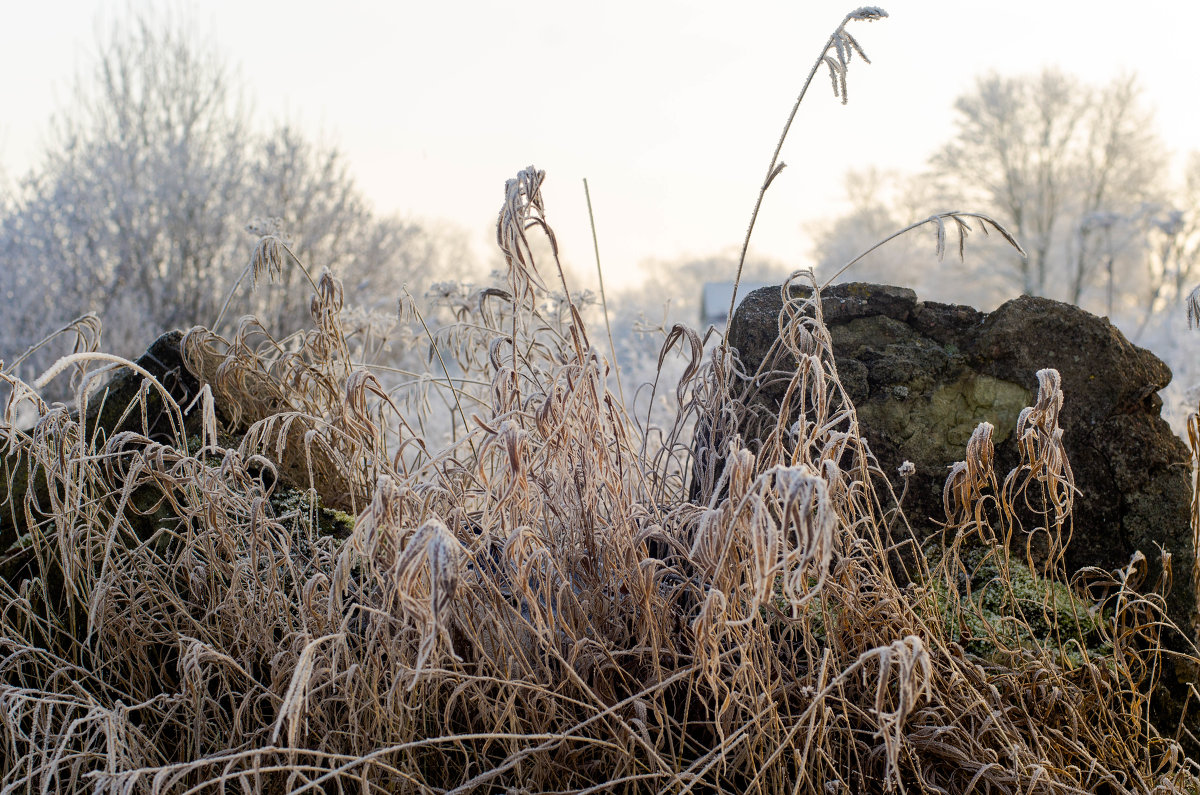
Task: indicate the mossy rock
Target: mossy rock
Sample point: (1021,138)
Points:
(306,511)
(111,409)
(1000,609)
(922,375)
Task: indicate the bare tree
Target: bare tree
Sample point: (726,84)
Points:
(1044,153)
(139,209)
(129,213)
(1122,169)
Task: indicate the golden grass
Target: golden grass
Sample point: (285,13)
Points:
(295,588)
(539,606)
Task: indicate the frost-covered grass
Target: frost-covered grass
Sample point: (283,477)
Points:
(300,586)
(541,604)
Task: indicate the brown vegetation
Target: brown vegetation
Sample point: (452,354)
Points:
(289,585)
(537,605)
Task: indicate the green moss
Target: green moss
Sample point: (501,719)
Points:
(304,508)
(23,541)
(997,612)
(1008,609)
(956,409)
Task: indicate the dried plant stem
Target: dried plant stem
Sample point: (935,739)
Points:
(446,373)
(175,412)
(775,166)
(938,219)
(86,327)
(603,298)
(248,270)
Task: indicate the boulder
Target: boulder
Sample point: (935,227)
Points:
(922,375)
(110,410)
(114,408)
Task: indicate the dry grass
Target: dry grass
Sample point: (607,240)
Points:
(537,606)
(558,600)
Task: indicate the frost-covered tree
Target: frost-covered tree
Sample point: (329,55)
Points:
(1172,261)
(139,208)
(136,209)
(1076,171)
(306,192)
(1044,154)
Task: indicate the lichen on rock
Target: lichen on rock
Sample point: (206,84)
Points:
(937,422)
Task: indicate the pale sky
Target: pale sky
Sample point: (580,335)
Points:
(670,109)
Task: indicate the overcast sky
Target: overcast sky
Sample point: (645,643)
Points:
(670,109)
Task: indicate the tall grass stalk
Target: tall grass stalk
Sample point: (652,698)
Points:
(612,346)
(843,45)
